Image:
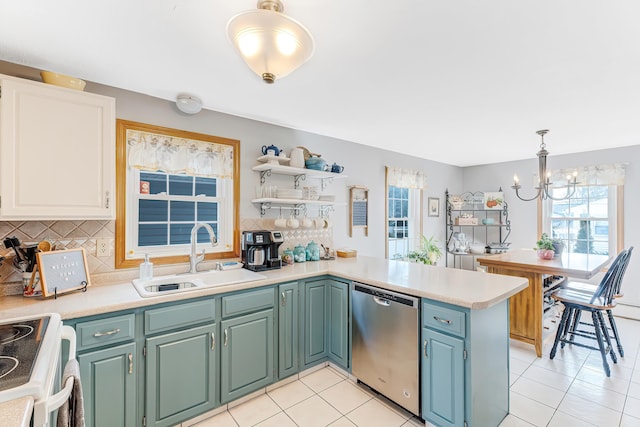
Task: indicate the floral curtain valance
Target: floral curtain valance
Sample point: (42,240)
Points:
(405,178)
(607,174)
(156,152)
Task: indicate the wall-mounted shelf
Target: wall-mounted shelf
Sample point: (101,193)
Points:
(298,204)
(266,169)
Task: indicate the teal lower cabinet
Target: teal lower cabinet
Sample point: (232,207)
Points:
(180,375)
(465,364)
(442,378)
(339,325)
(288,330)
(315,322)
(109,385)
(247,354)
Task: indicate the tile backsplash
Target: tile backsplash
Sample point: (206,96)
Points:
(62,235)
(85,234)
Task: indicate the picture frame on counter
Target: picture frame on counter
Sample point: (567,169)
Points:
(433,206)
(63,271)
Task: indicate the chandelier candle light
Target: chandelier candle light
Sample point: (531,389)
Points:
(544,177)
(272,44)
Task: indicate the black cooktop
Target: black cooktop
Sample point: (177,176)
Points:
(19,346)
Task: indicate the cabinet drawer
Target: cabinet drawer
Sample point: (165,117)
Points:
(246,302)
(178,316)
(443,319)
(105,331)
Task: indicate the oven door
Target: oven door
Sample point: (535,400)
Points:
(44,408)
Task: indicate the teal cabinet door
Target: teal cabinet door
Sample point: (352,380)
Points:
(180,375)
(247,354)
(316,313)
(109,386)
(288,322)
(442,379)
(339,323)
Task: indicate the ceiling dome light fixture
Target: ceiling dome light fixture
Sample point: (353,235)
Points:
(543,190)
(189,104)
(272,44)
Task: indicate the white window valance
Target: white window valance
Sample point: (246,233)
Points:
(607,174)
(156,152)
(406,178)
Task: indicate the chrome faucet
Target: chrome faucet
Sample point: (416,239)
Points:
(194,258)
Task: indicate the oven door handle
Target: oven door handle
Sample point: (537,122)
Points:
(69,334)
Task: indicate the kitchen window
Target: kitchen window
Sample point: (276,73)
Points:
(168,181)
(404,212)
(591,220)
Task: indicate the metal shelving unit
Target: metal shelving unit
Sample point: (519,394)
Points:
(481,233)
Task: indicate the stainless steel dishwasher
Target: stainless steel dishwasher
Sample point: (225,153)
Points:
(385,346)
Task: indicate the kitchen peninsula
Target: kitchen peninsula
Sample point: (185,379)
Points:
(476,303)
(526,308)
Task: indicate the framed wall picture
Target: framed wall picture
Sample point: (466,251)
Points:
(493,200)
(433,206)
(359,209)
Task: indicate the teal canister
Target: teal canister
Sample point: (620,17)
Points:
(299,254)
(287,256)
(313,251)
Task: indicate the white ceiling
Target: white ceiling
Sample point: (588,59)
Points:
(463,82)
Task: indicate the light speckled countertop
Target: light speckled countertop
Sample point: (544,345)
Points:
(17,412)
(459,287)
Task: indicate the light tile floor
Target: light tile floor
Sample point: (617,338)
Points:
(571,390)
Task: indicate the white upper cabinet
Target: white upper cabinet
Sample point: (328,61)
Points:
(57,152)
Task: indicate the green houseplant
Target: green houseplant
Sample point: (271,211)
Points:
(428,253)
(545,247)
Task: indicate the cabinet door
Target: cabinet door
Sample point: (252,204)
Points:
(247,354)
(442,379)
(316,313)
(288,330)
(57,152)
(339,323)
(109,386)
(180,375)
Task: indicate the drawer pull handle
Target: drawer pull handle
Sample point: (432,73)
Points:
(104,334)
(424,347)
(213,340)
(130,363)
(284,299)
(226,336)
(448,322)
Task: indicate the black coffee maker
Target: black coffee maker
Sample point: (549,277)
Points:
(260,249)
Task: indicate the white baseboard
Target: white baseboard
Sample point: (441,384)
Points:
(628,311)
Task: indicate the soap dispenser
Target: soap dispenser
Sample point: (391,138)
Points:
(146,269)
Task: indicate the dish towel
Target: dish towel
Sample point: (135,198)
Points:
(71,413)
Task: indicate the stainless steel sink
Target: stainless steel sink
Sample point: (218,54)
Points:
(178,283)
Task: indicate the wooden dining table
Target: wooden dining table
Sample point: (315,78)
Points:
(526,307)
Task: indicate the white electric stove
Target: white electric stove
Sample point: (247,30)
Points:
(29,358)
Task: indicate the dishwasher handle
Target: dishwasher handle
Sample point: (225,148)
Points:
(381,301)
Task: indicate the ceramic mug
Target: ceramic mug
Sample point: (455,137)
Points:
(293,223)
(307,223)
(280,222)
(318,222)
(327,223)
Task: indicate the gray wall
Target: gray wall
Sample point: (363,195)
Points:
(524,214)
(364,166)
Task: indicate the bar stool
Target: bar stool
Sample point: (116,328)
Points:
(601,300)
(589,288)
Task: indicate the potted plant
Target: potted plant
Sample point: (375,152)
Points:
(428,253)
(545,247)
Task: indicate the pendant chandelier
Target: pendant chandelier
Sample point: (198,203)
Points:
(272,44)
(544,177)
